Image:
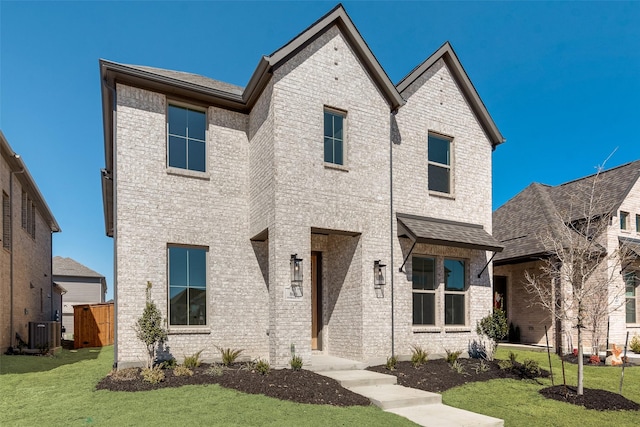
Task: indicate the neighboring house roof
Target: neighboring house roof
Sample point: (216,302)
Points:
(70,267)
(217,93)
(21,171)
(538,208)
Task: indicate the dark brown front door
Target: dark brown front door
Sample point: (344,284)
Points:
(316,300)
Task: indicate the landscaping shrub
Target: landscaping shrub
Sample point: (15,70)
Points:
(126,374)
(495,327)
(392,363)
(512,357)
(482,367)
(456,366)
(635,344)
(149,328)
(229,355)
(169,363)
(514,333)
(215,370)
(192,361)
(594,359)
(452,356)
(182,370)
(153,375)
(296,363)
(262,367)
(530,369)
(418,356)
(505,364)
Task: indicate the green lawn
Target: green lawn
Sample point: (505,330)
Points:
(60,391)
(520,404)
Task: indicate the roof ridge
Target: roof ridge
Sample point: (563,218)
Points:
(600,173)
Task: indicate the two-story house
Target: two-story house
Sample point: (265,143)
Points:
(611,196)
(321,208)
(27,293)
(82,286)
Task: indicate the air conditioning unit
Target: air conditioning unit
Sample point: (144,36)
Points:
(44,335)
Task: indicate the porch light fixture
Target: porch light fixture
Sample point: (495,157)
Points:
(296,275)
(379,274)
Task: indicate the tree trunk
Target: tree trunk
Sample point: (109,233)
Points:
(580,362)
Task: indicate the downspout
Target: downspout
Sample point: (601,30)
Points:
(393,113)
(13,331)
(114,108)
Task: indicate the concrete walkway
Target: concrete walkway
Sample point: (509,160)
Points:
(421,407)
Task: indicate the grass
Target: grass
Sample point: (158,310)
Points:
(60,390)
(518,403)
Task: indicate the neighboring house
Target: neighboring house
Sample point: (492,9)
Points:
(27,293)
(264,216)
(520,223)
(82,285)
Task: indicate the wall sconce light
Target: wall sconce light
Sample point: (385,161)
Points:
(379,274)
(296,275)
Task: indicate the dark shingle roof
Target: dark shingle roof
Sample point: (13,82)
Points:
(71,267)
(536,209)
(191,78)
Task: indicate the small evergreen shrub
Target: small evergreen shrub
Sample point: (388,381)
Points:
(262,367)
(169,363)
(495,327)
(182,371)
(635,344)
(392,363)
(215,370)
(153,375)
(192,361)
(452,356)
(505,364)
(149,328)
(418,356)
(530,368)
(126,374)
(229,355)
(512,357)
(296,363)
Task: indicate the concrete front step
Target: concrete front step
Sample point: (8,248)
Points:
(391,396)
(445,416)
(355,378)
(322,363)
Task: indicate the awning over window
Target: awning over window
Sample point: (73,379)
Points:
(631,245)
(446,233)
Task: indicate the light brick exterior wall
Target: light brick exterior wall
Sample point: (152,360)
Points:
(266,171)
(33,296)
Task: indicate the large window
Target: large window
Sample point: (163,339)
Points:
(334,137)
(424,291)
(28,214)
(624,220)
(440,167)
(187,146)
(428,297)
(454,288)
(187,286)
(631,293)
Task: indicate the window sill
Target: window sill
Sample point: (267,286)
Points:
(426,329)
(456,329)
(189,331)
(442,195)
(633,325)
(188,173)
(334,166)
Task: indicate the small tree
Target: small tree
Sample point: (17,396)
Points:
(576,281)
(495,327)
(149,328)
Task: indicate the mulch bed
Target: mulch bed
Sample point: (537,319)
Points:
(438,376)
(285,384)
(586,360)
(600,400)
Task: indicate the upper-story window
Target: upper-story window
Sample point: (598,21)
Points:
(6,221)
(637,223)
(28,215)
(187,140)
(334,137)
(624,220)
(440,165)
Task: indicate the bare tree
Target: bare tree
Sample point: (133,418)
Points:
(578,282)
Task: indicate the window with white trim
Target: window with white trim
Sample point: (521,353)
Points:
(632,282)
(334,136)
(440,168)
(187,286)
(186,134)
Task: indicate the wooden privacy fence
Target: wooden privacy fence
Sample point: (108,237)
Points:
(93,325)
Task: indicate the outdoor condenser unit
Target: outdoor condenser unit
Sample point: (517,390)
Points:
(44,335)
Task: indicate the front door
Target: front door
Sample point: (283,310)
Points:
(316,300)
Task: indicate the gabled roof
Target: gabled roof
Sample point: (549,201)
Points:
(21,172)
(70,267)
(538,208)
(448,55)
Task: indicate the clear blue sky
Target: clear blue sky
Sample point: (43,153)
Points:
(561,80)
